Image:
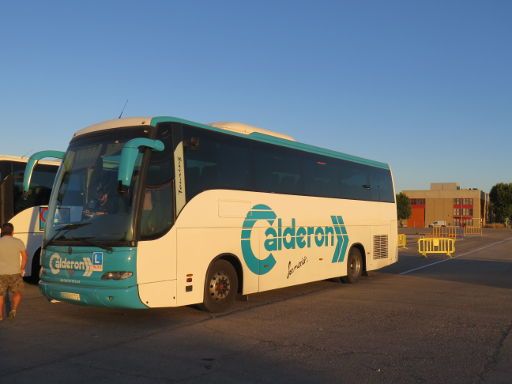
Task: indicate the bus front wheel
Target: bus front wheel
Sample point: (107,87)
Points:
(354,266)
(221,286)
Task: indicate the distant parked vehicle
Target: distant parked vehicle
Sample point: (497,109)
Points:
(437,223)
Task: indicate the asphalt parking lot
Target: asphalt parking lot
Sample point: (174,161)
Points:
(421,320)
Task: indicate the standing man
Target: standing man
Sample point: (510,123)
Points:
(13,258)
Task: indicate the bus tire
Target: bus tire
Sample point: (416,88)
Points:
(354,266)
(221,287)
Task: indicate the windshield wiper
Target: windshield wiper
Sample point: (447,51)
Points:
(87,241)
(61,231)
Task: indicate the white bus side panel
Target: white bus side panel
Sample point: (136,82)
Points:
(26,228)
(211,225)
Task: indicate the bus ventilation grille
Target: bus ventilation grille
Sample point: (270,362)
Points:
(380,246)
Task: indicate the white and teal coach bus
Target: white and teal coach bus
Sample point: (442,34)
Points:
(164,212)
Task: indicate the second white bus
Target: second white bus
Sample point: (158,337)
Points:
(27,213)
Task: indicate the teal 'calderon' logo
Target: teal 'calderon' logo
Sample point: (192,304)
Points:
(289,237)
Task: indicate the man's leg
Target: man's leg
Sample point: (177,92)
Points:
(16,289)
(16,300)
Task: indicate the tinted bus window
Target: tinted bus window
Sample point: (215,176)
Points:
(382,187)
(320,177)
(354,181)
(5,169)
(218,161)
(157,206)
(40,185)
(277,171)
(214,161)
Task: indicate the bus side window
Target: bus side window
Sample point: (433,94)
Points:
(157,207)
(193,177)
(40,186)
(219,162)
(276,171)
(355,181)
(5,170)
(382,188)
(209,176)
(156,211)
(321,174)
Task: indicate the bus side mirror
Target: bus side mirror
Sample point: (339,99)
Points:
(129,156)
(32,161)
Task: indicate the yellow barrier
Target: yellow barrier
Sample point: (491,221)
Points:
(472,230)
(402,241)
(436,231)
(440,245)
(450,231)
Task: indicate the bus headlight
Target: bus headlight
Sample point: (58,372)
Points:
(116,275)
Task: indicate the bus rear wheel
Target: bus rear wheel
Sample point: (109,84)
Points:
(354,266)
(221,287)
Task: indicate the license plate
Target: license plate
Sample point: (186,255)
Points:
(70,296)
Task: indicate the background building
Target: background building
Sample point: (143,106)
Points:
(447,202)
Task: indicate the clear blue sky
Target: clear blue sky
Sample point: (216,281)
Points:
(425,86)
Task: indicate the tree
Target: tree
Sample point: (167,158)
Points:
(403,206)
(501,202)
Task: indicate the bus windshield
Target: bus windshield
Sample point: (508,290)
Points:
(86,203)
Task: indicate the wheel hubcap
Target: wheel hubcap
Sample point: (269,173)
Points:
(355,266)
(219,286)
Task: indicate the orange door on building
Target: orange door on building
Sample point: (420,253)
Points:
(417,218)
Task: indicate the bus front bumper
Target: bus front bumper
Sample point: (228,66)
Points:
(96,296)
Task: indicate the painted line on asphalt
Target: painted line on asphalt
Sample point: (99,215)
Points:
(455,257)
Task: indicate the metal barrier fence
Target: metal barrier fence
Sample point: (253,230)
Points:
(436,245)
(453,232)
(470,230)
(402,241)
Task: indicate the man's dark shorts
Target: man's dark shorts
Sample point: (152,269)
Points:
(14,283)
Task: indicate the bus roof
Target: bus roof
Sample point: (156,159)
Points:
(247,129)
(24,159)
(235,129)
